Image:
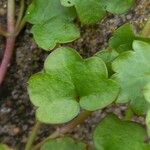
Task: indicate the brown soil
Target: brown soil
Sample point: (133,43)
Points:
(16,111)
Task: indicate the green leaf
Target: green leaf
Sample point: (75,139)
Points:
(4,147)
(107,56)
(39,12)
(132,74)
(67,3)
(53,32)
(53,23)
(117,6)
(68,79)
(90,11)
(122,38)
(54,98)
(65,143)
(88,76)
(115,134)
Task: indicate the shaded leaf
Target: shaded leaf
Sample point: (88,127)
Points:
(115,134)
(65,143)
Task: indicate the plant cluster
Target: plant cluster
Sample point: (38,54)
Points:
(69,88)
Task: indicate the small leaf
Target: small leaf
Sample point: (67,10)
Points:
(122,38)
(53,32)
(66,80)
(90,11)
(117,6)
(67,3)
(115,134)
(132,74)
(65,143)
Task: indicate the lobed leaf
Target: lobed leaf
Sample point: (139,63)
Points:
(55,31)
(115,134)
(70,80)
(65,143)
(53,23)
(54,98)
(132,74)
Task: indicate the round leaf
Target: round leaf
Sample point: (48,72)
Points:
(115,134)
(63,144)
(66,79)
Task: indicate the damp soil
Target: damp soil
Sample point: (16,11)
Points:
(17,114)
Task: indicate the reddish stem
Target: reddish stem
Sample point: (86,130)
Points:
(10,41)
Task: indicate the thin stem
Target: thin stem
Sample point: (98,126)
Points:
(146,29)
(66,128)
(32,136)
(20,15)
(10,41)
